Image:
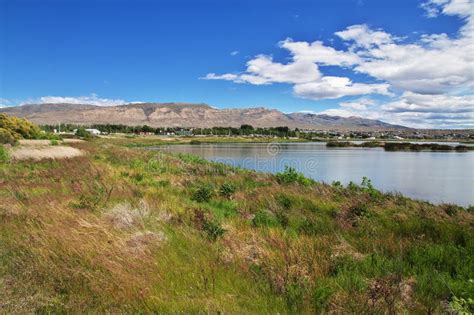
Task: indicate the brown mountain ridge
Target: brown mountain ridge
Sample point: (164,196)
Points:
(186,115)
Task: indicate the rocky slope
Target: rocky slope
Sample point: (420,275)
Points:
(185,115)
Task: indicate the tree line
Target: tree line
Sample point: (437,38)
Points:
(243,130)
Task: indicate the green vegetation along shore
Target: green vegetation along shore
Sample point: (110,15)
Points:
(127,230)
(400,146)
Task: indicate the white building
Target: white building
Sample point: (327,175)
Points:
(94,132)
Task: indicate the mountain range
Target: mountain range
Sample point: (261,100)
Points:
(186,115)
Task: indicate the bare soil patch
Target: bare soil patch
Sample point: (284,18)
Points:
(35,152)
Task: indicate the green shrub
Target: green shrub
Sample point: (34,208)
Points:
(368,187)
(214,230)
(359,210)
(195,142)
(6,137)
(18,128)
(336,184)
(54,142)
(462,306)
(203,193)
(227,190)
(451,209)
(353,186)
(3,154)
(138,177)
(290,175)
(83,133)
(284,201)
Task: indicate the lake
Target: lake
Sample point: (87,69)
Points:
(434,176)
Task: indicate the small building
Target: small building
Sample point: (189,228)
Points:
(94,132)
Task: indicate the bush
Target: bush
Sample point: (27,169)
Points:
(336,184)
(213,230)
(368,187)
(54,142)
(6,137)
(290,175)
(359,210)
(3,154)
(203,193)
(450,209)
(19,128)
(227,190)
(462,306)
(284,201)
(83,133)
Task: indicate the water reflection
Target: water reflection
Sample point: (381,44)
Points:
(434,176)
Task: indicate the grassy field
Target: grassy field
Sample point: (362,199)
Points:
(147,141)
(125,230)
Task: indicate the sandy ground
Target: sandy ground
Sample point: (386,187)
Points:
(38,152)
(45,142)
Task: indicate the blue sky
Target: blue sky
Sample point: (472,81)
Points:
(109,52)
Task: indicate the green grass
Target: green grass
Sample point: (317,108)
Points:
(192,236)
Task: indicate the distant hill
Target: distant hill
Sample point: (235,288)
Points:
(186,115)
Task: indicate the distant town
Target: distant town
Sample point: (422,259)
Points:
(277,132)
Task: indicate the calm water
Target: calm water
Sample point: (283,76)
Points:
(434,176)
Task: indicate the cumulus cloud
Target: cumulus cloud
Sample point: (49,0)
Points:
(364,37)
(413,110)
(360,104)
(420,103)
(434,8)
(263,70)
(303,72)
(317,52)
(433,75)
(336,87)
(92,99)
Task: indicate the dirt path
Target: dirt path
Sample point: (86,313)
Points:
(38,152)
(25,142)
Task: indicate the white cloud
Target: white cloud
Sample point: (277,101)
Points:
(303,72)
(412,102)
(433,75)
(316,52)
(234,53)
(364,37)
(262,70)
(5,102)
(360,104)
(414,110)
(435,65)
(92,99)
(434,8)
(330,87)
